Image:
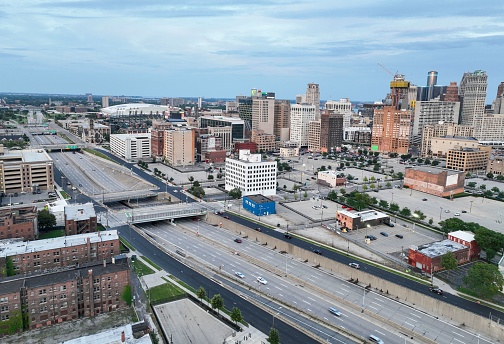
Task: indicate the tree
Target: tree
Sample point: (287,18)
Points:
(471,185)
(349,177)
(236,193)
(364,187)
(365,179)
(419,215)
(201,294)
(274,337)
(394,207)
(296,196)
(405,212)
(372,186)
(343,191)
(495,189)
(500,177)
(484,279)
(452,224)
(196,184)
(420,160)
(389,184)
(305,195)
(332,195)
(427,162)
(435,163)
(489,241)
(45,220)
(431,221)
(217,302)
(9,267)
(197,191)
(490,175)
(219,175)
(236,315)
(449,262)
(383,204)
(400,175)
(482,187)
(488,193)
(210,177)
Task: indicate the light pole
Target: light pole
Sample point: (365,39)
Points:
(392,198)
(440,212)
(470,208)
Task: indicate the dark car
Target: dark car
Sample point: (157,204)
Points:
(464,211)
(424,199)
(390,224)
(384,234)
(238,240)
(258,229)
(436,290)
(226,217)
(317,251)
(371,237)
(400,236)
(288,236)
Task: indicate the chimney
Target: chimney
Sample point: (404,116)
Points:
(104,263)
(123,337)
(113,260)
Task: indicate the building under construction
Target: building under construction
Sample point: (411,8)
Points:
(392,123)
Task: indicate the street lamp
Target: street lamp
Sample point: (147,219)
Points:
(470,208)
(440,212)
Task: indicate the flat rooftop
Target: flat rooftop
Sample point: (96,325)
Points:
(259,199)
(369,215)
(433,170)
(14,248)
(79,212)
(440,248)
(24,155)
(112,336)
(463,235)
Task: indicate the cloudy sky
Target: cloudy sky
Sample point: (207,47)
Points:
(223,48)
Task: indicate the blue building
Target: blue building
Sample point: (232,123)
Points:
(259,205)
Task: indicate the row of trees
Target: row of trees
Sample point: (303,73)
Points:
(495,191)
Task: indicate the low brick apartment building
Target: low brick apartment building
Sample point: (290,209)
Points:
(80,219)
(44,255)
(51,298)
(18,222)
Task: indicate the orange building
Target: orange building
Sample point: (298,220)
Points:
(391,130)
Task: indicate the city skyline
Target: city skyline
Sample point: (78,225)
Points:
(225,48)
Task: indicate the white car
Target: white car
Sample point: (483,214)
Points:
(457,214)
(262,280)
(239,274)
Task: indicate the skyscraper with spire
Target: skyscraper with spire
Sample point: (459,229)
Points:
(473,91)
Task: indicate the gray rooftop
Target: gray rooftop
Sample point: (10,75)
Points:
(434,170)
(25,155)
(440,248)
(79,212)
(10,249)
(259,199)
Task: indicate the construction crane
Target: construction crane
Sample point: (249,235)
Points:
(398,86)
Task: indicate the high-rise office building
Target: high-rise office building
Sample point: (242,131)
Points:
(344,107)
(432,112)
(282,120)
(313,96)
(499,100)
(301,115)
(473,90)
(179,147)
(331,131)
(105,101)
(263,115)
(452,93)
(391,124)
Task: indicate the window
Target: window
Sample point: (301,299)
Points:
(43,300)
(63,287)
(42,291)
(5,317)
(4,309)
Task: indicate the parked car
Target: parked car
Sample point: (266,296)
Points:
(446,211)
(238,240)
(354,265)
(287,235)
(424,199)
(371,237)
(226,217)
(239,274)
(334,311)
(317,251)
(384,234)
(457,214)
(390,224)
(261,280)
(436,290)
(400,236)
(464,211)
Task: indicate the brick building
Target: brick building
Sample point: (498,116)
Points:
(468,159)
(428,257)
(357,220)
(52,298)
(18,222)
(251,146)
(466,239)
(495,165)
(55,253)
(435,181)
(331,178)
(80,219)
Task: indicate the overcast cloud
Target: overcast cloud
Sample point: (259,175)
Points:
(223,48)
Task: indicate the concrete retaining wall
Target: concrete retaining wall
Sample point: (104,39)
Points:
(428,304)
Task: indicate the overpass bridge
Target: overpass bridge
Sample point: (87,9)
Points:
(164,212)
(129,196)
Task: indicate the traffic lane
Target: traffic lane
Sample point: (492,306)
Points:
(252,314)
(394,278)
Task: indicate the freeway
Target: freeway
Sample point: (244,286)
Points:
(342,258)
(306,288)
(253,314)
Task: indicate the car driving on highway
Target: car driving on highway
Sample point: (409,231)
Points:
(239,274)
(261,280)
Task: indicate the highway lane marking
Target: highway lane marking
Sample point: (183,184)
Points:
(280,295)
(326,319)
(312,299)
(306,302)
(380,332)
(373,308)
(409,324)
(308,309)
(418,316)
(458,334)
(339,292)
(346,291)
(283,285)
(458,340)
(295,302)
(411,319)
(378,304)
(278,287)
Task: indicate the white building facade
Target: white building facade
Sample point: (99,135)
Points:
(300,118)
(131,146)
(251,175)
(344,107)
(432,112)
